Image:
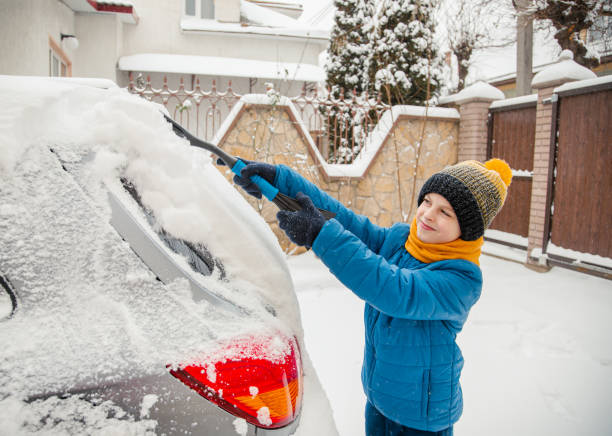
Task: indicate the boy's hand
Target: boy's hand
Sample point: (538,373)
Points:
(302,226)
(266,171)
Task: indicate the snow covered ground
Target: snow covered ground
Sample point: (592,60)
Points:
(538,359)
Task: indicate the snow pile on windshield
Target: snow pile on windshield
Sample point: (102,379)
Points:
(92,312)
(188,195)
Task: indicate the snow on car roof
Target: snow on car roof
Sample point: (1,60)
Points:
(90,307)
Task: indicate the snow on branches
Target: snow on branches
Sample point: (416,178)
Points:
(571,18)
(404,61)
(389,51)
(349,47)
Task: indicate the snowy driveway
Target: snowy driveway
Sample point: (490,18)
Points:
(537,348)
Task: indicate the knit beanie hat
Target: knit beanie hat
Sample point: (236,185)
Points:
(476,191)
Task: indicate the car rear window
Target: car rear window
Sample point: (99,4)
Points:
(198,256)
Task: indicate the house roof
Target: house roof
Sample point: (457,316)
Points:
(123,8)
(220,66)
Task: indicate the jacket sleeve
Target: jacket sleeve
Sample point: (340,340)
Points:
(443,290)
(290,183)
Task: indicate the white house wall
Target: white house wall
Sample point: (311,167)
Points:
(290,12)
(25,27)
(148,37)
(100,43)
(227,10)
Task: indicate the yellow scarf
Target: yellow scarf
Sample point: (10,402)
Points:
(457,249)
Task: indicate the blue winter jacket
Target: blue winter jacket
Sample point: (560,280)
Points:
(413,311)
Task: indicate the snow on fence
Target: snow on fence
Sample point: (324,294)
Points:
(338,125)
(199,111)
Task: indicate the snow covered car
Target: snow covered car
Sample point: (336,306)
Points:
(140,293)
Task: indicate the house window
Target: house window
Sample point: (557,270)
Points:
(200,8)
(59,63)
(190,7)
(208,9)
(57,68)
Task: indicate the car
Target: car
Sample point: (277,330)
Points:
(139,292)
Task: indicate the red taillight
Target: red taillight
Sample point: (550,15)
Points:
(249,381)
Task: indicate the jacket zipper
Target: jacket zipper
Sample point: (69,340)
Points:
(428,376)
(426,393)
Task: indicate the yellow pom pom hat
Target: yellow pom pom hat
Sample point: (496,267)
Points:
(476,191)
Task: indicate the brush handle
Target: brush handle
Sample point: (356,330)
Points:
(267,189)
(272,193)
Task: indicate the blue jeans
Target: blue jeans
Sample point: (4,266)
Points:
(376,424)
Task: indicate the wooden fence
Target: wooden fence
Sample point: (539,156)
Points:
(511,137)
(581,217)
(578,213)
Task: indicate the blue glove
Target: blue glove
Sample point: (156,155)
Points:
(265,170)
(302,226)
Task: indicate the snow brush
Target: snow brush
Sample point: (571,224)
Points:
(284,202)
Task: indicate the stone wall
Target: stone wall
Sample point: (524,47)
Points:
(385,191)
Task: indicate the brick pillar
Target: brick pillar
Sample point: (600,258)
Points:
(474,102)
(539,186)
(473,130)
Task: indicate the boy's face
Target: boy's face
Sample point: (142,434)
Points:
(436,220)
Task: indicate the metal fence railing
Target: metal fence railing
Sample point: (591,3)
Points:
(339,125)
(198,110)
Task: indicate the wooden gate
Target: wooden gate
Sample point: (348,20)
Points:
(581,217)
(511,137)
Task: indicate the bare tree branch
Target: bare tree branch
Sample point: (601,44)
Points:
(474,25)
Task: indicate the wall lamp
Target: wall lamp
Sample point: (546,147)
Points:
(71,42)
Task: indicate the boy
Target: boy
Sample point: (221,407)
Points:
(418,282)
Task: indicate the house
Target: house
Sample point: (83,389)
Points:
(498,65)
(507,82)
(250,42)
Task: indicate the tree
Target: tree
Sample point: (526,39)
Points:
(347,73)
(348,50)
(570,18)
(404,64)
(470,25)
